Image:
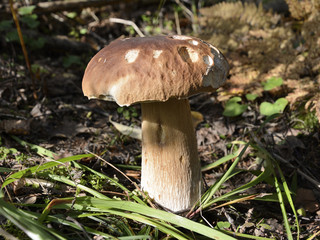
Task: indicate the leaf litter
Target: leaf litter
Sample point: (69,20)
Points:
(259,44)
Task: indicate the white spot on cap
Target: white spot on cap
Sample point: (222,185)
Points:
(132,55)
(194,42)
(180,37)
(113,91)
(188,54)
(208,60)
(193,55)
(157,53)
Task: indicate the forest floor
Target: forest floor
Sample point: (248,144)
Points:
(50,111)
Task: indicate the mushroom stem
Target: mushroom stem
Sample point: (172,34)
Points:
(171,171)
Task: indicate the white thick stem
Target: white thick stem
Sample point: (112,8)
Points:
(171,171)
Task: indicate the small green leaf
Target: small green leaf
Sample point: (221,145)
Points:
(302,212)
(72,14)
(223,225)
(120,109)
(37,43)
(251,97)
(269,109)
(26,10)
(83,31)
(6,25)
(30,20)
(12,36)
(272,83)
(70,60)
(265,226)
(233,108)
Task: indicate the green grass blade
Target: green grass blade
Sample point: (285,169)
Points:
(283,209)
(30,227)
(207,197)
(138,237)
(289,198)
(3,170)
(113,181)
(162,226)
(219,162)
(268,197)
(246,236)
(42,167)
(265,174)
(74,184)
(39,150)
(271,162)
(76,226)
(131,167)
(101,205)
(71,224)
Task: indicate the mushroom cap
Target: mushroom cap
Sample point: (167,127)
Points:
(151,69)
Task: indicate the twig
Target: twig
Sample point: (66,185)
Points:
(187,11)
(209,224)
(176,17)
(6,189)
(229,218)
(310,179)
(80,226)
(248,218)
(127,22)
(313,181)
(23,46)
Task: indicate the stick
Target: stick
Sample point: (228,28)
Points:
(127,22)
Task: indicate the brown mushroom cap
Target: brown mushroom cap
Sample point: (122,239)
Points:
(154,69)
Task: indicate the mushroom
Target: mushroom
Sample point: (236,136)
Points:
(161,73)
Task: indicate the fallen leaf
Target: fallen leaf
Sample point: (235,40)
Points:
(133,132)
(197,118)
(306,199)
(30,199)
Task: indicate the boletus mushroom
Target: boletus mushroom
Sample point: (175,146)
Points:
(161,73)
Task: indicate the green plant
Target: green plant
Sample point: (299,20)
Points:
(69,60)
(128,112)
(233,108)
(6,153)
(29,21)
(272,83)
(251,97)
(96,208)
(27,17)
(114,215)
(269,109)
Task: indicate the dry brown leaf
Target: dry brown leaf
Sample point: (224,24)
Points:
(197,118)
(306,199)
